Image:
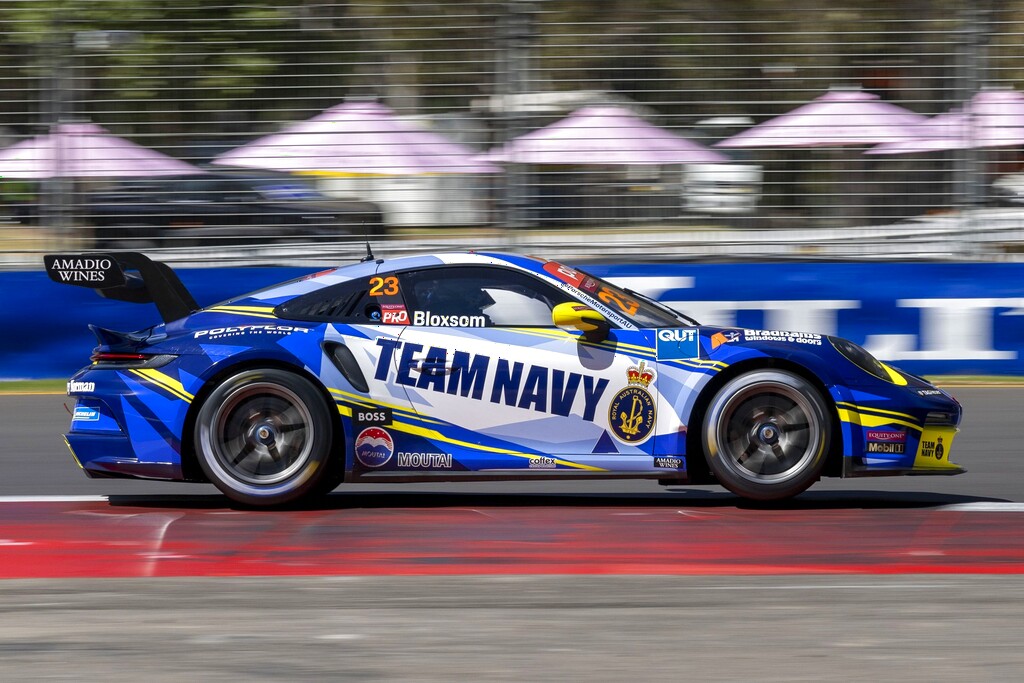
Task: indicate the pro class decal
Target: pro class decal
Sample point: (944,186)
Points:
(632,411)
(374,447)
(394,314)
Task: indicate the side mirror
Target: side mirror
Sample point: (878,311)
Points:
(576,317)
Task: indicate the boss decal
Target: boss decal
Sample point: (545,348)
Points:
(631,413)
(482,378)
(369,417)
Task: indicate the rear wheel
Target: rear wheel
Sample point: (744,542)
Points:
(264,437)
(766,435)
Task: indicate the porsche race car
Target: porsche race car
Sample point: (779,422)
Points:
(471,366)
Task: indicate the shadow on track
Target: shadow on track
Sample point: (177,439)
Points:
(673,497)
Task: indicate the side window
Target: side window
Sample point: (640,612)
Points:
(347,302)
(476,296)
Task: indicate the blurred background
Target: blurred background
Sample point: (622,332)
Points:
(291,130)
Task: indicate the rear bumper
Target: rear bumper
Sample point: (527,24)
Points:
(111,455)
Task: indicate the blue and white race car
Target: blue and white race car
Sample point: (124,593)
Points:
(471,366)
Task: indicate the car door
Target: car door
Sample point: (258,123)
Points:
(498,386)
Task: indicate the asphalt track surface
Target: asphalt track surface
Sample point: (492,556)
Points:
(920,579)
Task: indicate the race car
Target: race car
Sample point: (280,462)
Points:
(477,366)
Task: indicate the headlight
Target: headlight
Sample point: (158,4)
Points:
(865,361)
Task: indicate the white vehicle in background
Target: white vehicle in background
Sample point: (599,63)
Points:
(722,189)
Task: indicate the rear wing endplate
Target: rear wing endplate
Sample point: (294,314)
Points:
(125,276)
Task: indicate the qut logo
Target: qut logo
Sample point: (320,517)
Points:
(677,335)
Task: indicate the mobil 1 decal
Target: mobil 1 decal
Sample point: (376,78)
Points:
(677,344)
(631,413)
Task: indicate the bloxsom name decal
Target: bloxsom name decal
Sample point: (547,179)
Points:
(428,319)
(479,377)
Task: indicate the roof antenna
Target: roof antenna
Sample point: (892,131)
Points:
(369,254)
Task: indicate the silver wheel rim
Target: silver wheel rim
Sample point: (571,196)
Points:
(262,434)
(768,432)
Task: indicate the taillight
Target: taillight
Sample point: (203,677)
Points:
(110,360)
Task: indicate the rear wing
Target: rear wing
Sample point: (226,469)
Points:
(125,276)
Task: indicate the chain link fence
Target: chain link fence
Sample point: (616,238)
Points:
(294,131)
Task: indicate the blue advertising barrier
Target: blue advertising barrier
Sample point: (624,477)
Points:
(935,319)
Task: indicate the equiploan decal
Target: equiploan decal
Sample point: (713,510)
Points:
(374,447)
(482,378)
(677,344)
(632,412)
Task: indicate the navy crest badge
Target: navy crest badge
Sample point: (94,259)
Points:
(632,412)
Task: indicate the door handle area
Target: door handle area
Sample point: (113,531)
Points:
(430,367)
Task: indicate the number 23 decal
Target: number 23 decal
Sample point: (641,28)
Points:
(624,304)
(383,286)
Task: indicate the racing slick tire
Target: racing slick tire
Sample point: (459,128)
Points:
(766,435)
(264,438)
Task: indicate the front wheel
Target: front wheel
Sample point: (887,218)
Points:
(766,435)
(264,437)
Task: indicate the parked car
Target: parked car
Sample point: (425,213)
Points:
(222,208)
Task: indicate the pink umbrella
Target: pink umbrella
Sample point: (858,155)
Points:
(994,118)
(80,150)
(839,118)
(606,136)
(356,137)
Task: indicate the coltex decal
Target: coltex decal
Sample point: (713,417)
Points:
(632,412)
(481,378)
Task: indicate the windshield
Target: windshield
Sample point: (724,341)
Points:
(639,309)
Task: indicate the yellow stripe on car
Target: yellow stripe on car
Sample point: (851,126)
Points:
(165,382)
